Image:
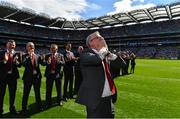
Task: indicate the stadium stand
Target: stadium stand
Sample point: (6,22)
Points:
(150,33)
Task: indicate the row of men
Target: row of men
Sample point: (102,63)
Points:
(55,63)
(121,65)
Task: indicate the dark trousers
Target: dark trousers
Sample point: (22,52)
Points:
(105,109)
(49,86)
(12,86)
(126,70)
(123,70)
(78,80)
(132,68)
(36,83)
(68,78)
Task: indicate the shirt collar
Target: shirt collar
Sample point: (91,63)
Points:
(12,51)
(68,51)
(95,51)
(31,53)
(54,54)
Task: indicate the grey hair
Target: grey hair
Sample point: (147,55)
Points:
(90,37)
(29,43)
(81,47)
(54,45)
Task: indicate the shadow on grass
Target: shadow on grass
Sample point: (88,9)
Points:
(32,110)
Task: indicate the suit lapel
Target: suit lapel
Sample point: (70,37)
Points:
(92,51)
(36,60)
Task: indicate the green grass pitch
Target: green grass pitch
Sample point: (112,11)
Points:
(152,92)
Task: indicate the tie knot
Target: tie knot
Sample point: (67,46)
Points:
(104,60)
(53,55)
(10,54)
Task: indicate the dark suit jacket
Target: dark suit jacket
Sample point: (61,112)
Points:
(3,66)
(28,72)
(58,66)
(118,63)
(68,67)
(77,63)
(92,86)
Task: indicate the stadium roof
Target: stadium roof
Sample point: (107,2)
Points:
(160,13)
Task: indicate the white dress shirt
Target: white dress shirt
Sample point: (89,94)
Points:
(69,54)
(102,54)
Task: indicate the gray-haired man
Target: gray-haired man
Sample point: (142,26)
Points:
(97,87)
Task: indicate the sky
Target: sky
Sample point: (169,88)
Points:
(85,9)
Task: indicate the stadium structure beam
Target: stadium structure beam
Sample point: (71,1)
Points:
(83,24)
(168,10)
(117,20)
(73,24)
(23,20)
(63,24)
(52,23)
(132,17)
(94,25)
(103,21)
(149,15)
(11,14)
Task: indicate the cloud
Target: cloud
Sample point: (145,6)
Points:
(70,9)
(94,6)
(129,5)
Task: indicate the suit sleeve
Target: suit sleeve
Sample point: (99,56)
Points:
(1,58)
(18,61)
(43,62)
(90,59)
(62,62)
(25,59)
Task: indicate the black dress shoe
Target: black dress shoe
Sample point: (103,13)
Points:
(23,112)
(65,99)
(41,109)
(71,96)
(14,112)
(1,115)
(47,106)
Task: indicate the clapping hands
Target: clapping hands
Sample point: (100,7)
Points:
(6,57)
(49,60)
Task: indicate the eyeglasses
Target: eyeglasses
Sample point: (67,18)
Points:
(97,37)
(31,46)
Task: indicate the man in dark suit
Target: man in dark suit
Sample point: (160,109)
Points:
(133,62)
(31,77)
(97,88)
(78,75)
(117,66)
(9,61)
(54,62)
(124,67)
(127,60)
(68,71)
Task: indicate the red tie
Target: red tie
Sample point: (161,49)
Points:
(10,60)
(110,81)
(53,63)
